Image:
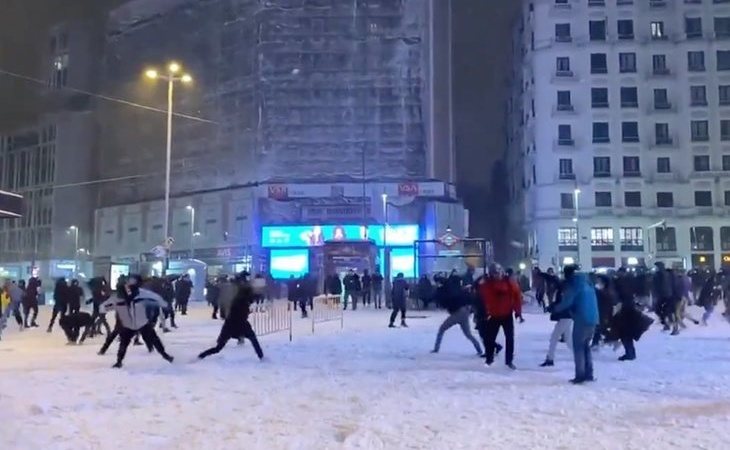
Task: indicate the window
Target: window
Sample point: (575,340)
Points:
(699,130)
(566,201)
(701,238)
(631,166)
(629,131)
(726,163)
(632,199)
(562,66)
(723,60)
(663,165)
(701,163)
(661,99)
(603,199)
(567,237)
(564,101)
(696,61)
(657,30)
(598,63)
(665,200)
(59,71)
(693,27)
(599,97)
(722,27)
(627,62)
(632,238)
(666,239)
(661,133)
(698,96)
(602,237)
(629,97)
(725,234)
(659,64)
(625,29)
(703,198)
(725,130)
(562,32)
(597,30)
(566,169)
(600,132)
(565,135)
(724,94)
(601,166)
(726,195)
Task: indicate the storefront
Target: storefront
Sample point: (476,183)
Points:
(293,250)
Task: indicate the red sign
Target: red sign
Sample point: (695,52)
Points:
(408,189)
(278,191)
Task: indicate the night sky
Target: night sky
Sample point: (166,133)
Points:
(480,80)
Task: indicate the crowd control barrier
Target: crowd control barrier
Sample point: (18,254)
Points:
(271,317)
(327,308)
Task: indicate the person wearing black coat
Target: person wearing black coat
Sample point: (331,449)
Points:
(30,301)
(563,329)
(399,296)
(629,324)
(73,322)
(60,301)
(212,292)
(75,294)
(708,297)
(458,307)
(425,291)
(99,294)
(236,325)
(606,294)
(183,290)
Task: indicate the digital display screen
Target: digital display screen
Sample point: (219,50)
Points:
(402,261)
(285,263)
(316,235)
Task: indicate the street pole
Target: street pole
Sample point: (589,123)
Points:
(192,232)
(576,193)
(75,230)
(168,160)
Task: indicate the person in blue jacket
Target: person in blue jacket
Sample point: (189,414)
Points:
(580,299)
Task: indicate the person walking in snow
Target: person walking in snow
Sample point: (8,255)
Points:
(60,301)
(132,313)
(236,324)
(459,309)
(502,299)
(579,298)
(399,296)
(30,302)
(16,299)
(563,328)
(183,290)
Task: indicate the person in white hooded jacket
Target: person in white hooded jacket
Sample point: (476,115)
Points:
(132,314)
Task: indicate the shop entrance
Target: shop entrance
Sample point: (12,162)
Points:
(342,256)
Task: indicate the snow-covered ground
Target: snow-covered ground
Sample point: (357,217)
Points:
(365,387)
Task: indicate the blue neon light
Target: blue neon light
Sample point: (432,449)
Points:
(315,235)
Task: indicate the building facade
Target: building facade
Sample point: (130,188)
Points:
(311,111)
(619,132)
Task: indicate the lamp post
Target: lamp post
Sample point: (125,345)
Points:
(192,230)
(173,75)
(75,230)
(576,195)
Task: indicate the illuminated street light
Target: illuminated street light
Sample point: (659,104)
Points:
(171,77)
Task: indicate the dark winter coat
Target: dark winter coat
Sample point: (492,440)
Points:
(212,293)
(75,294)
(377,282)
(557,316)
(709,294)
(183,289)
(60,296)
(399,293)
(31,293)
(425,289)
(334,285)
(662,284)
(235,321)
(352,283)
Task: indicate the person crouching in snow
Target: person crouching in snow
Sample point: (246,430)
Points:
(132,314)
(72,324)
(236,324)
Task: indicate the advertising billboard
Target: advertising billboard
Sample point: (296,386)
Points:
(285,263)
(316,235)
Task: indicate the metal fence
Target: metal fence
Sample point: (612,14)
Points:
(271,317)
(327,308)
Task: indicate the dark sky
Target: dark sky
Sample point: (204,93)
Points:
(481,57)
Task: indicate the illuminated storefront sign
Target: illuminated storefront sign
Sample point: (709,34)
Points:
(316,235)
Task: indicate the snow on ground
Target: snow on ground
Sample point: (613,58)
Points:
(365,387)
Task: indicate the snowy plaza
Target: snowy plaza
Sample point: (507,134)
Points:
(365,387)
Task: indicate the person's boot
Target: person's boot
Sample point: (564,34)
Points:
(49,330)
(117,365)
(626,358)
(511,366)
(168,358)
(675,331)
(547,363)
(403,324)
(391,325)
(33,324)
(497,348)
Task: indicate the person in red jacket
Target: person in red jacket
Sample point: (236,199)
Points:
(501,298)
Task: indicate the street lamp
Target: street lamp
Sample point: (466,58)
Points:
(75,230)
(192,231)
(172,76)
(576,195)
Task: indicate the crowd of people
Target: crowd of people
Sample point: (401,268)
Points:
(139,306)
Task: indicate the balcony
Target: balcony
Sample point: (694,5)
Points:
(659,106)
(596,2)
(563,39)
(632,173)
(599,70)
(601,174)
(657,3)
(566,176)
(660,71)
(601,140)
(565,142)
(564,108)
(663,141)
(565,74)
(599,104)
(626,36)
(624,2)
(630,139)
(629,104)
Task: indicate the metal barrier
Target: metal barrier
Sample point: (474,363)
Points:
(271,317)
(327,308)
